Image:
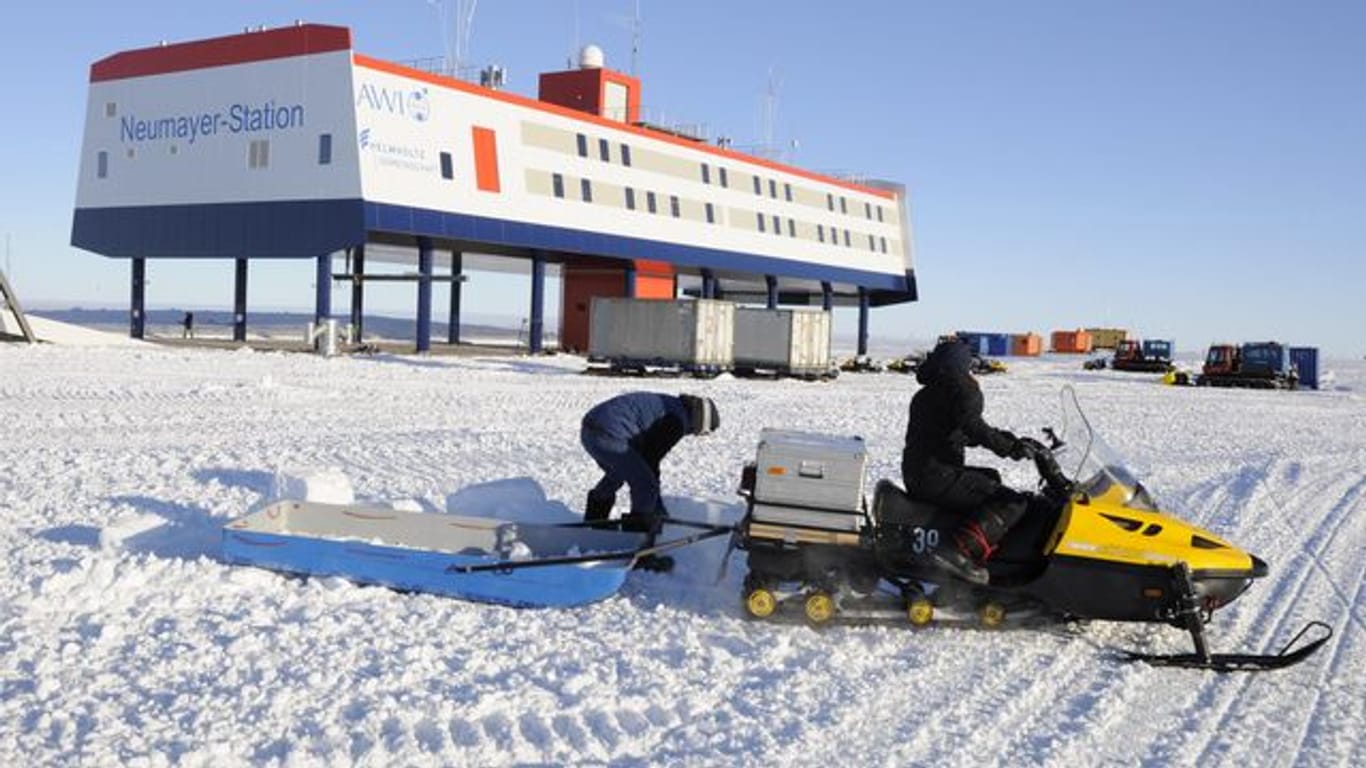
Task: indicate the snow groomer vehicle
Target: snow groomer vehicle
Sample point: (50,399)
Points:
(1095,545)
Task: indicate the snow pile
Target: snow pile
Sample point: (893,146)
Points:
(124,639)
(67,335)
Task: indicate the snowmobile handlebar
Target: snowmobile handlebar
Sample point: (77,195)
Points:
(1051,477)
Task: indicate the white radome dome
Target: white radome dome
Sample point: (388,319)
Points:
(590,57)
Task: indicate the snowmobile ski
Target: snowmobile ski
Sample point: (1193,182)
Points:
(1241,662)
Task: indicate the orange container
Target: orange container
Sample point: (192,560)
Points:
(1076,342)
(1026,344)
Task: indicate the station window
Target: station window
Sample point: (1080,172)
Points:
(777,225)
(583,145)
(673,206)
(630,199)
(650,201)
(820,232)
(758,186)
(721,171)
(626,155)
(557,182)
(110,109)
(447,169)
(711,214)
(879,213)
(706,173)
(844,205)
(787,192)
(324,149)
(761,222)
(872,245)
(102,165)
(846,239)
(791,228)
(258,154)
(586,190)
(884,244)
(772,188)
(868,210)
(604,150)
(829,201)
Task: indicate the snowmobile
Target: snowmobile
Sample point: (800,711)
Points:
(1095,545)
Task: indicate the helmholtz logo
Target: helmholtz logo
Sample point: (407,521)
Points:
(413,103)
(402,156)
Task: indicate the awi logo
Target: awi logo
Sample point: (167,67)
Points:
(412,103)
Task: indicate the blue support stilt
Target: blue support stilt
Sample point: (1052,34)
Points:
(453,318)
(239,301)
(322,305)
(708,284)
(772,282)
(137,308)
(357,292)
(424,294)
(827,297)
(863,321)
(631,280)
(536,327)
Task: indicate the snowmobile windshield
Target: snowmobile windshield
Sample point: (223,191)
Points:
(1090,462)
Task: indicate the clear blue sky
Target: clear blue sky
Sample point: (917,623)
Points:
(1194,170)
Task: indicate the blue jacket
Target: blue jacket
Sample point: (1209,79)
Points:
(651,422)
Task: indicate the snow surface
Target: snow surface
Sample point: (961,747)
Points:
(124,639)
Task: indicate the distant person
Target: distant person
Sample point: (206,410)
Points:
(628,436)
(946,417)
(188,323)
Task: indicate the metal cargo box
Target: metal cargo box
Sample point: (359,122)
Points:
(784,340)
(804,469)
(693,334)
(1306,362)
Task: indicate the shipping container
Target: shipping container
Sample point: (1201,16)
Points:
(689,334)
(977,342)
(1159,349)
(1107,338)
(790,341)
(1072,342)
(1026,345)
(1306,362)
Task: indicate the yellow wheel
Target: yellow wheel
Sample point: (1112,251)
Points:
(920,611)
(820,607)
(993,615)
(761,603)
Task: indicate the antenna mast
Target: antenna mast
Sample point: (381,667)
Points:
(770,114)
(635,42)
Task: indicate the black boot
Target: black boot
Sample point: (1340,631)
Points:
(598,507)
(952,560)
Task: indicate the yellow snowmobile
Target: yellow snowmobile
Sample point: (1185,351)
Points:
(1095,545)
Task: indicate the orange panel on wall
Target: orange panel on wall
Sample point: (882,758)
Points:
(486,159)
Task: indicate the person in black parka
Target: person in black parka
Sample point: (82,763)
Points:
(945,418)
(628,436)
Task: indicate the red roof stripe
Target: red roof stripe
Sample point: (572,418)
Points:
(222,51)
(512,98)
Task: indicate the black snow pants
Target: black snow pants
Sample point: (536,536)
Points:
(990,508)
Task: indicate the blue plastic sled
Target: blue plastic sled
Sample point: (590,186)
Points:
(420,552)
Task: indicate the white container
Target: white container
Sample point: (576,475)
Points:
(784,340)
(688,333)
(809,470)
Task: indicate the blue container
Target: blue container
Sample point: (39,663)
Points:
(1306,362)
(998,344)
(977,342)
(1158,349)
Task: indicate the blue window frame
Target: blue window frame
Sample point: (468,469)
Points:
(325,149)
(711,214)
(706,174)
(626,155)
(630,199)
(650,201)
(758,186)
(820,232)
(557,182)
(787,192)
(604,150)
(721,171)
(777,225)
(773,188)
(583,145)
(447,168)
(673,206)
(868,210)
(791,228)
(829,201)
(586,190)
(844,205)
(102,165)
(879,213)
(761,222)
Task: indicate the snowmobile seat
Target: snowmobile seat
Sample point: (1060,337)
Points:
(891,506)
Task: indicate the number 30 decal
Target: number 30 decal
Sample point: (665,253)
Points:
(925,539)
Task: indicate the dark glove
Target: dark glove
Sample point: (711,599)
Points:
(1025,448)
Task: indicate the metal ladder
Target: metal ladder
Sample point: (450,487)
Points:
(11,301)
